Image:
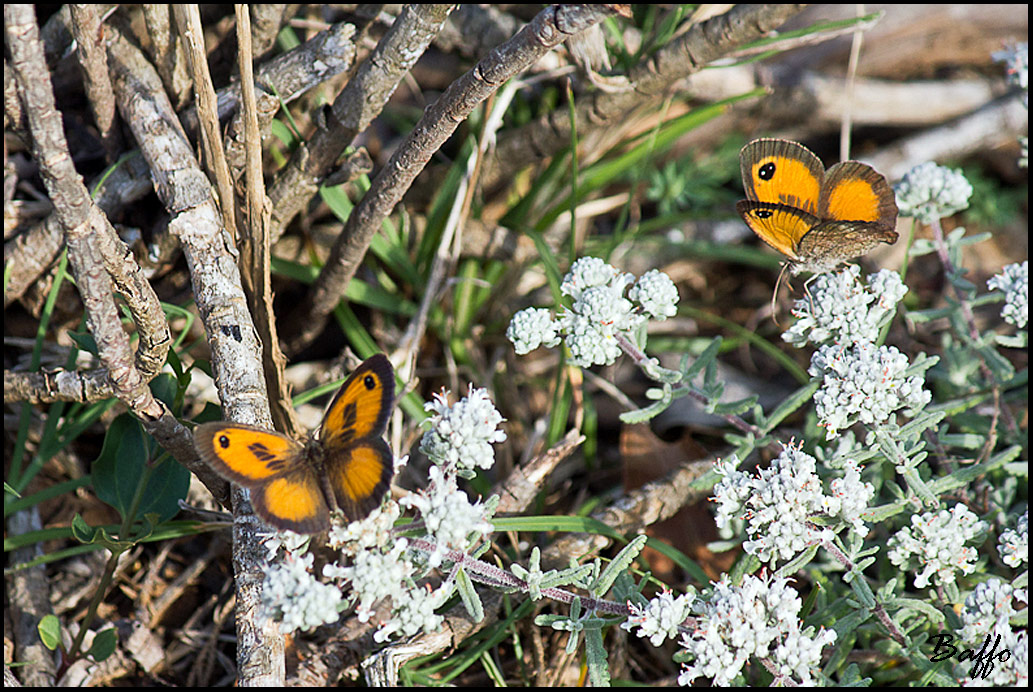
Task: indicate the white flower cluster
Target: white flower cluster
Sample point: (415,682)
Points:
(987,612)
(415,613)
(599,313)
(448,515)
(865,383)
(371,532)
(1014,672)
(293,596)
(460,436)
(660,618)
(656,294)
(780,502)
(1013,545)
(387,573)
(532,328)
(850,497)
(935,543)
(1014,282)
(930,192)
(840,308)
(989,608)
(376,573)
(760,618)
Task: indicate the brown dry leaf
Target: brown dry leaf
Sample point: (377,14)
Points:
(646,457)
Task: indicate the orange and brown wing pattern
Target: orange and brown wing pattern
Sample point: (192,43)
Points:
(245,454)
(285,489)
(294,487)
(362,406)
(778,171)
(855,191)
(360,476)
(293,502)
(778,225)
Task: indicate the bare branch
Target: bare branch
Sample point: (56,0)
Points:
(354,108)
(87,29)
(549,28)
(236,351)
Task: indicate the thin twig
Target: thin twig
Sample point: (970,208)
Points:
(255,224)
(188,17)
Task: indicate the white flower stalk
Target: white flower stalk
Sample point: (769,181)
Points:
(607,305)
(841,309)
(988,609)
(375,574)
(461,436)
(532,328)
(656,294)
(761,619)
(450,518)
(987,612)
(659,619)
(1013,544)
(780,502)
(293,596)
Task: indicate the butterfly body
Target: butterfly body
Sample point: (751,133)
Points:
(297,486)
(816,218)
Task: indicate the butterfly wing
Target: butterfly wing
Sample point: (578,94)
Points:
(285,490)
(357,461)
(293,501)
(778,171)
(362,405)
(831,243)
(359,476)
(244,454)
(854,191)
(780,226)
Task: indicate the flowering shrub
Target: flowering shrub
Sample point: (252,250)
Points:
(824,511)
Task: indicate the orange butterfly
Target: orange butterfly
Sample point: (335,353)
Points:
(816,218)
(296,486)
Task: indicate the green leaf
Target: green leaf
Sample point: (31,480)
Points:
(595,659)
(468,594)
(620,562)
(49,629)
(124,464)
(103,644)
(98,535)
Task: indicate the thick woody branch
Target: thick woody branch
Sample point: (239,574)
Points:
(236,351)
(285,77)
(93,249)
